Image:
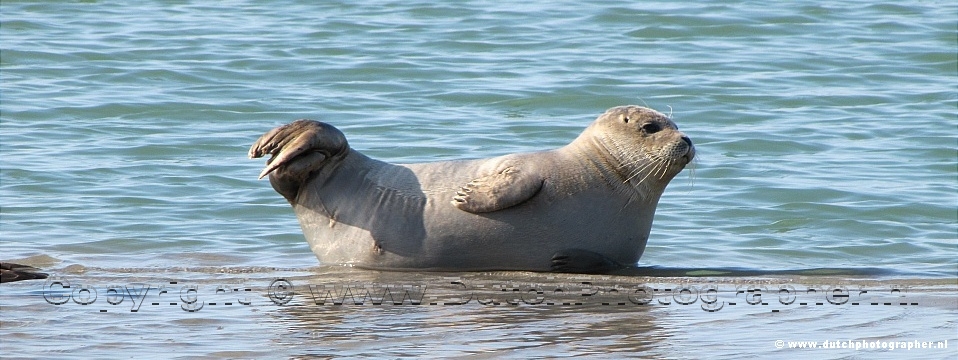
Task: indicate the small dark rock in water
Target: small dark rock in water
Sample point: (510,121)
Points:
(10,272)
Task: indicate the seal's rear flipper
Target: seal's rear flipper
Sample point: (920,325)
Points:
(297,150)
(301,137)
(583,262)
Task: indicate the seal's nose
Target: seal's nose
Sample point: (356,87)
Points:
(691,151)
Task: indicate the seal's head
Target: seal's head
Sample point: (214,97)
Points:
(644,147)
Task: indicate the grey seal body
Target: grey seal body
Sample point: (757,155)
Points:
(584,207)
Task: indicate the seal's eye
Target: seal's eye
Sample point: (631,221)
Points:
(625,119)
(651,128)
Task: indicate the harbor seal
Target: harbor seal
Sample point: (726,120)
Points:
(586,207)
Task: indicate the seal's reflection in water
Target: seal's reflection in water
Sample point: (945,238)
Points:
(658,315)
(660,271)
(496,317)
(682,319)
(458,331)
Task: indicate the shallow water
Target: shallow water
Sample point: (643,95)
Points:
(825,133)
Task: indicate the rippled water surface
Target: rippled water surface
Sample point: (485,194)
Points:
(827,158)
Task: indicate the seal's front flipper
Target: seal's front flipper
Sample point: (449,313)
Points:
(299,146)
(508,187)
(582,262)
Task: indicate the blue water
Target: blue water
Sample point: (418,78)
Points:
(826,133)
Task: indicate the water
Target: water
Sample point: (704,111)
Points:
(826,138)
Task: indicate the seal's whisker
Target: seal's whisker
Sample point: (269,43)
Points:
(644,157)
(636,161)
(666,167)
(635,173)
(655,164)
(643,101)
(645,177)
(692,173)
(660,172)
(641,169)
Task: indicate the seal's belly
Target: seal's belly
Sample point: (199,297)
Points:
(526,236)
(412,224)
